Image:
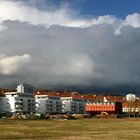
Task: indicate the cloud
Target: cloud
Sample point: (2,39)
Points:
(54,47)
(133,20)
(40,13)
(92,56)
(13,64)
(2,27)
(27,13)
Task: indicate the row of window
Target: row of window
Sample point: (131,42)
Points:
(100,106)
(105,103)
(48,98)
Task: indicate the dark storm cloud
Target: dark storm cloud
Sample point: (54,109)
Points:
(72,56)
(56,48)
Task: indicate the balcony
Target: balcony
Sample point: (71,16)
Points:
(19,110)
(18,106)
(18,101)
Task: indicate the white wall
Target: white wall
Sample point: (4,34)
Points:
(48,104)
(12,101)
(72,105)
(131,97)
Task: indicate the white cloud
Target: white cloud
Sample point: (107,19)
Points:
(26,11)
(108,19)
(13,64)
(133,20)
(63,16)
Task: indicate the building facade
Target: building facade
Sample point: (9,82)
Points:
(109,107)
(130,97)
(48,104)
(73,105)
(20,101)
(1,104)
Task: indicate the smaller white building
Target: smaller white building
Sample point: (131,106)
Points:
(73,105)
(130,97)
(20,101)
(48,104)
(127,109)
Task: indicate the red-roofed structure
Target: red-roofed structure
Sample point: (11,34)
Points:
(94,104)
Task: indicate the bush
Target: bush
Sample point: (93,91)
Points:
(33,116)
(19,116)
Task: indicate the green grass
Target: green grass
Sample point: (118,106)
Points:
(84,129)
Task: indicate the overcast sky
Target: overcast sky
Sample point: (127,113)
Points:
(52,44)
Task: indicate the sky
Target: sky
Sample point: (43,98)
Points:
(74,44)
(119,8)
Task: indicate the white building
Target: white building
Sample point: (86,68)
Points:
(48,104)
(131,97)
(73,105)
(131,109)
(1,104)
(20,101)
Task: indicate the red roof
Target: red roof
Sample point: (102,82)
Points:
(86,97)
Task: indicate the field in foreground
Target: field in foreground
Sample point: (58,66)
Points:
(84,129)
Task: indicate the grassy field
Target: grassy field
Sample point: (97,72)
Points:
(84,129)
